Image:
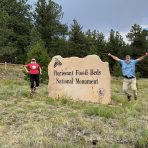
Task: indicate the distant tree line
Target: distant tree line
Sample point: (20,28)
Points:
(40,34)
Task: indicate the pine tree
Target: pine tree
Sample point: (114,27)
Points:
(114,45)
(101,46)
(7,47)
(19,23)
(78,40)
(139,46)
(47,21)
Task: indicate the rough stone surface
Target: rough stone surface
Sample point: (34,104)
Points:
(86,79)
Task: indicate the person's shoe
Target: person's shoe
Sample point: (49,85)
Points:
(136,98)
(31,94)
(34,89)
(129,97)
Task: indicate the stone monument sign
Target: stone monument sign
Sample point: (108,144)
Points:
(86,79)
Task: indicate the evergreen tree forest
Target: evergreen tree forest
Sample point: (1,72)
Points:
(39,33)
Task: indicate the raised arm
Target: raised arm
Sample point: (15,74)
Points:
(114,57)
(142,57)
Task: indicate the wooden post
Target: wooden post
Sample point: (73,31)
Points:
(5,65)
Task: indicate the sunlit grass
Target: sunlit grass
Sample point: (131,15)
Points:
(41,121)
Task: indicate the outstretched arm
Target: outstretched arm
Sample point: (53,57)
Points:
(114,57)
(141,58)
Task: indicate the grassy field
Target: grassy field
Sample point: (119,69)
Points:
(42,122)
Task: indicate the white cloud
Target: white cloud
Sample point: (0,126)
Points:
(124,34)
(144,26)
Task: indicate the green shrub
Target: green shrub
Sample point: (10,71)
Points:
(39,52)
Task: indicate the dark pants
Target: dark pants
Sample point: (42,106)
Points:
(34,80)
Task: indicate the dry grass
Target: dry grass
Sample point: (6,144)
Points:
(42,122)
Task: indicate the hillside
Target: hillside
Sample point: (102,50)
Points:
(43,122)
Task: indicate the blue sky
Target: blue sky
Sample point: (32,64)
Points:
(104,15)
